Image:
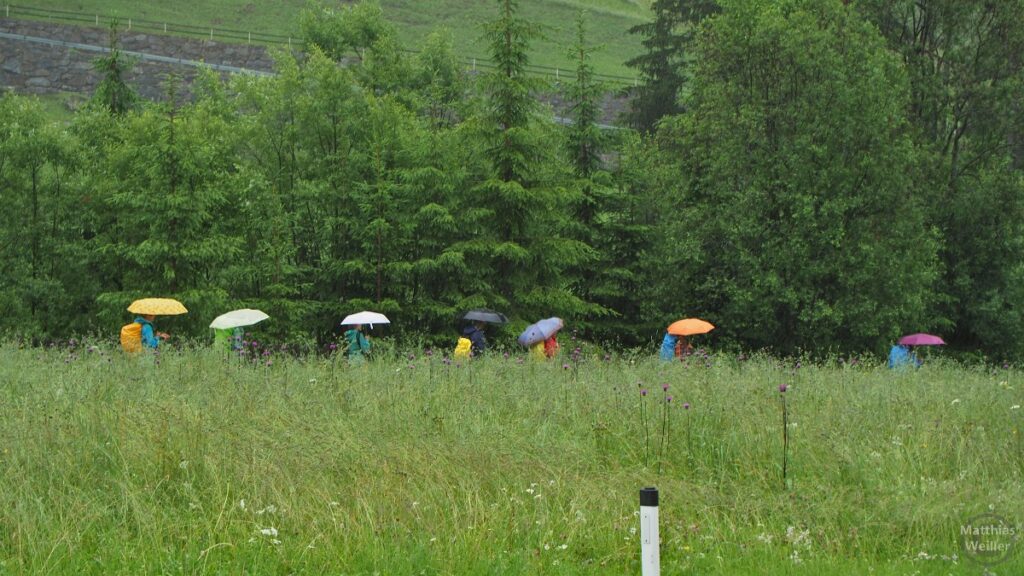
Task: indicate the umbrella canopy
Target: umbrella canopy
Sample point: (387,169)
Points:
(921,339)
(238,318)
(540,331)
(484,315)
(365,317)
(689,327)
(157,307)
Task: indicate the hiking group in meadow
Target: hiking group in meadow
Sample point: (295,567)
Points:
(539,338)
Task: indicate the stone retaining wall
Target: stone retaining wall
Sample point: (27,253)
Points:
(34,68)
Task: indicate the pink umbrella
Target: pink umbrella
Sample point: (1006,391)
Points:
(920,339)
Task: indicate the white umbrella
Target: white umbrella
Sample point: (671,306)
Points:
(238,318)
(365,317)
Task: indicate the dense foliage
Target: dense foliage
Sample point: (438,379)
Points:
(824,175)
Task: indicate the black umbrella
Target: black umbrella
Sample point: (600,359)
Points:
(484,315)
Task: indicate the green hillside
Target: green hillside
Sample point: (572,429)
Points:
(608,20)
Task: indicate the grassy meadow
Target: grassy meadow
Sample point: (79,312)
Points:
(193,462)
(608,22)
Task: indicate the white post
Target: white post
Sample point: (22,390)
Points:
(97,17)
(211,34)
(650,556)
(250,37)
(165,27)
(129,23)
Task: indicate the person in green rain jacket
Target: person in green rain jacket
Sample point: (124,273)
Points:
(358,345)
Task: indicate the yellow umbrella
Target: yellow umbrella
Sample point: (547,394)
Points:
(157,307)
(689,327)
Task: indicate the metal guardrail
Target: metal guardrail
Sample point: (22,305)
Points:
(239,36)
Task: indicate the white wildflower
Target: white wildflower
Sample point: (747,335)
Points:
(766,538)
(563,546)
(795,557)
(269,531)
(1015,407)
(529,490)
(241,504)
(183,464)
(547,547)
(275,541)
(334,504)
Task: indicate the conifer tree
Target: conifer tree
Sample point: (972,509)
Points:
(113,92)
(516,212)
(662,66)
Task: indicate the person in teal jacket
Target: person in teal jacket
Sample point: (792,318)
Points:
(357,343)
(668,347)
(150,337)
(900,356)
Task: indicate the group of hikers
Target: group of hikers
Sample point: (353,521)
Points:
(541,338)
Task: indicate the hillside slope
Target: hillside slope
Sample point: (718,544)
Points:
(608,21)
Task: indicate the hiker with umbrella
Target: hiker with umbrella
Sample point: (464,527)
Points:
(541,338)
(474,332)
(140,333)
(901,355)
(228,327)
(358,343)
(674,344)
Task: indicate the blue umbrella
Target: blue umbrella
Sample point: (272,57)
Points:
(540,331)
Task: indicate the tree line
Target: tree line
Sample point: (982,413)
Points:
(813,175)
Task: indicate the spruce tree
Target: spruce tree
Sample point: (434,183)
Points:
(113,92)
(516,212)
(662,65)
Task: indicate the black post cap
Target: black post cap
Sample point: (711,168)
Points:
(649,496)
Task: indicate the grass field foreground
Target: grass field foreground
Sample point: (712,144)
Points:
(608,22)
(194,462)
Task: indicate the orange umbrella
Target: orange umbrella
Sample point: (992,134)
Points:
(690,326)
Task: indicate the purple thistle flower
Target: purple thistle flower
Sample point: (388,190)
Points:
(333,346)
(505,355)
(686,405)
(565,366)
(607,357)
(783,387)
(668,399)
(266,352)
(428,352)
(664,387)
(1006,366)
(643,391)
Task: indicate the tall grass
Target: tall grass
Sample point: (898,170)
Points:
(195,462)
